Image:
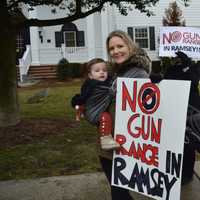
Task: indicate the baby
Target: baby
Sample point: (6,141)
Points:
(97,74)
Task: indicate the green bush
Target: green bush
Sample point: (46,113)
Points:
(166,62)
(69,70)
(75,70)
(62,69)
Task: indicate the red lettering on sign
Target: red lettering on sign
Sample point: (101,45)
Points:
(147,153)
(126,98)
(147,98)
(147,128)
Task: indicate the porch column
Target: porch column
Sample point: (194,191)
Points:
(34,39)
(108,24)
(91,37)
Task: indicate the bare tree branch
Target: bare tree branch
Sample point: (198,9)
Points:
(14,4)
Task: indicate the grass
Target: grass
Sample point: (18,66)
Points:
(70,152)
(57,104)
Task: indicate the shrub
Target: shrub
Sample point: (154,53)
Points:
(68,70)
(166,62)
(74,70)
(62,69)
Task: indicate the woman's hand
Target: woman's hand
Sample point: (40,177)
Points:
(155,77)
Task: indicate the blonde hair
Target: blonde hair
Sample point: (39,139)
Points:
(125,37)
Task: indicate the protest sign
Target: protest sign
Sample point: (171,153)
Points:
(176,38)
(150,127)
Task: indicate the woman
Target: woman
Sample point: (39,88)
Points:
(127,60)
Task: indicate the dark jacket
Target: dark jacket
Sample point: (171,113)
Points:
(184,72)
(86,90)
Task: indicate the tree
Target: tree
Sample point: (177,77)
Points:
(173,17)
(12,20)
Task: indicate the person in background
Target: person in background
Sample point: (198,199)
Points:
(97,75)
(183,69)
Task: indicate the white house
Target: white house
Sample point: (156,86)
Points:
(84,39)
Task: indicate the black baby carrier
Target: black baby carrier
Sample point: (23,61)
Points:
(103,95)
(99,102)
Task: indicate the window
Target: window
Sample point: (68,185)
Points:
(70,38)
(141,37)
(19,42)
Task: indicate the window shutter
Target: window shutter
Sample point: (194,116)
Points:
(152,37)
(80,39)
(130,32)
(26,34)
(58,38)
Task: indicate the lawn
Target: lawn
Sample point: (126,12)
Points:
(49,142)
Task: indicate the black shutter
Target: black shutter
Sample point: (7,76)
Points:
(130,32)
(58,38)
(26,35)
(152,37)
(80,39)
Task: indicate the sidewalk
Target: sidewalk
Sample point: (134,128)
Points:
(77,187)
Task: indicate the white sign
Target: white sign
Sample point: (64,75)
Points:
(150,126)
(176,38)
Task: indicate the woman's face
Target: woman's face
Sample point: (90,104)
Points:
(118,50)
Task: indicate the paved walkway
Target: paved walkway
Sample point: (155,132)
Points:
(77,187)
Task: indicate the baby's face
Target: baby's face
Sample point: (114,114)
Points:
(99,72)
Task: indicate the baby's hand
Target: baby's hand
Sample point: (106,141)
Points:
(79,112)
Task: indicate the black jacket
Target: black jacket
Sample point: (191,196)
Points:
(87,89)
(190,73)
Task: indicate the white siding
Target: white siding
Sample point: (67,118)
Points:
(54,55)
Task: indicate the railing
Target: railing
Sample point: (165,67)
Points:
(54,55)
(75,54)
(72,50)
(24,63)
(51,56)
